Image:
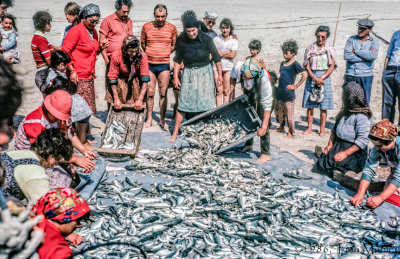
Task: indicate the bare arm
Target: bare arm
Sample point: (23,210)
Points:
(104,51)
(329,71)
(229,54)
(386,62)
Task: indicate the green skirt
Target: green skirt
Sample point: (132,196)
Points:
(197,91)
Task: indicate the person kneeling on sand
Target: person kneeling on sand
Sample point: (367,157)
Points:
(384,136)
(63,209)
(257,86)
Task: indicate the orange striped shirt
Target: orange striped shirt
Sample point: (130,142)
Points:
(158,42)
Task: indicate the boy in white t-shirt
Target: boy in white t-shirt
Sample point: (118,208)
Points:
(227,47)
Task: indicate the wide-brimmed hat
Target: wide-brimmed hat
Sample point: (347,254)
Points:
(59,104)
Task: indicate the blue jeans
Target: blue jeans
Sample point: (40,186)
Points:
(90,181)
(364,81)
(391,92)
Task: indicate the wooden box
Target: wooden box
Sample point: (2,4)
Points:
(133,120)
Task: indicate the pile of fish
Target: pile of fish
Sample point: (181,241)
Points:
(115,137)
(213,134)
(17,240)
(204,206)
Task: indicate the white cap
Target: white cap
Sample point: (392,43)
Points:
(210,15)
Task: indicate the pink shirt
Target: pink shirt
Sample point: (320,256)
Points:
(115,31)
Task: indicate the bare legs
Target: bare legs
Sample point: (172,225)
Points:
(310,117)
(224,90)
(163,81)
(81,130)
(178,121)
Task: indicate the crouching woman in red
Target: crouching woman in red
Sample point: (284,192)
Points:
(63,209)
(384,136)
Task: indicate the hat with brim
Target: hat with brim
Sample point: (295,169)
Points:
(210,15)
(59,104)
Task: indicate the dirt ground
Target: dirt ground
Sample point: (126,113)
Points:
(270,21)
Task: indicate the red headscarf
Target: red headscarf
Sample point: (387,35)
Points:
(62,205)
(384,130)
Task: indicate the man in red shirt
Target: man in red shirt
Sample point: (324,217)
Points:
(115,28)
(158,40)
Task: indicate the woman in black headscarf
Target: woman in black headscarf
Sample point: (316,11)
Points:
(128,75)
(197,87)
(347,148)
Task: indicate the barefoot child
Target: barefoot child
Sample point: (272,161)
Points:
(9,39)
(258,87)
(285,93)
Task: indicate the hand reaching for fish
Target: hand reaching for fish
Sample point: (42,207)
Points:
(74,239)
(356,199)
(86,164)
(374,201)
(90,154)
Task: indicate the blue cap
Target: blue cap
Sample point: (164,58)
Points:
(365,23)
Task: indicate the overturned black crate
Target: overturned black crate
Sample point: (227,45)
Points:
(238,110)
(133,120)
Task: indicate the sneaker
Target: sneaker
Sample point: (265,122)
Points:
(320,96)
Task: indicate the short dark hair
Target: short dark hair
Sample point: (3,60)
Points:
(53,143)
(41,19)
(12,18)
(227,22)
(255,44)
(10,91)
(119,3)
(160,6)
(323,28)
(8,3)
(290,45)
(384,142)
(61,83)
(273,78)
(72,8)
(59,57)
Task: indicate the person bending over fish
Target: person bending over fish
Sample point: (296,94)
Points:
(384,136)
(257,86)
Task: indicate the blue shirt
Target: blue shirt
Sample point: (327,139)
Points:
(287,77)
(372,164)
(361,62)
(65,32)
(354,129)
(393,52)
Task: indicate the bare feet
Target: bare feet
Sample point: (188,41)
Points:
(280,129)
(245,148)
(88,146)
(172,138)
(148,123)
(307,131)
(322,134)
(163,125)
(289,135)
(263,159)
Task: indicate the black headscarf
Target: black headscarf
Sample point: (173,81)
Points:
(354,101)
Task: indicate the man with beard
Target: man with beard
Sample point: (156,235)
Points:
(115,28)
(158,41)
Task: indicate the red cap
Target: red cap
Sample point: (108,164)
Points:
(59,104)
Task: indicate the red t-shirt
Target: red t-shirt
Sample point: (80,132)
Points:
(54,245)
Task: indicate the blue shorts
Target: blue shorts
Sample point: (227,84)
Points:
(158,68)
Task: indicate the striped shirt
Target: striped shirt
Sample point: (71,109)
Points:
(41,50)
(158,42)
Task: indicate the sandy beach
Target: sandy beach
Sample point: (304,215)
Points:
(272,22)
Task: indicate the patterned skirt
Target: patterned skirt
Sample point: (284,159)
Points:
(327,103)
(197,91)
(127,93)
(88,93)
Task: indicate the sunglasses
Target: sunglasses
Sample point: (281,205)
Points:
(211,22)
(93,21)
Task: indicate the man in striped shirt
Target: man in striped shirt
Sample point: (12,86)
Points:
(158,41)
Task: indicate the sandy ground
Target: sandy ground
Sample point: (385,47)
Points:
(270,21)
